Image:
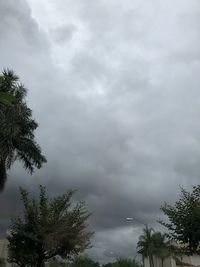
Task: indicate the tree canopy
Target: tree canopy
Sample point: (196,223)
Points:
(48,227)
(184,220)
(17,140)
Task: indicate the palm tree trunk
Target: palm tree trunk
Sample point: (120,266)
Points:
(151,261)
(162,262)
(3,175)
(143,260)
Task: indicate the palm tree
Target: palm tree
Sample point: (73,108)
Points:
(145,244)
(161,246)
(16,129)
(153,243)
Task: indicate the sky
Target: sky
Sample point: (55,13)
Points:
(114,86)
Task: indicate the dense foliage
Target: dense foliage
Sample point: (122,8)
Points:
(49,227)
(16,127)
(184,220)
(6,98)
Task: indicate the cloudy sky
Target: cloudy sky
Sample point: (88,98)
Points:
(114,85)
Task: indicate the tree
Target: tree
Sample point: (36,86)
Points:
(184,220)
(146,244)
(161,246)
(152,244)
(49,227)
(16,128)
(84,261)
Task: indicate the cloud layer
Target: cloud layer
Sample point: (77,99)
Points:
(115,89)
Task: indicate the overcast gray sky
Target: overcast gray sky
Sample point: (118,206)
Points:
(114,85)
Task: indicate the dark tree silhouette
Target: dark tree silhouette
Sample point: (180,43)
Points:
(48,228)
(184,220)
(16,128)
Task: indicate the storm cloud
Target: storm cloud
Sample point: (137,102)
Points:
(114,86)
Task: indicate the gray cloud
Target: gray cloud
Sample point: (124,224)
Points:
(117,101)
(63,34)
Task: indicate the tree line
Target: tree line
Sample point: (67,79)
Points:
(86,261)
